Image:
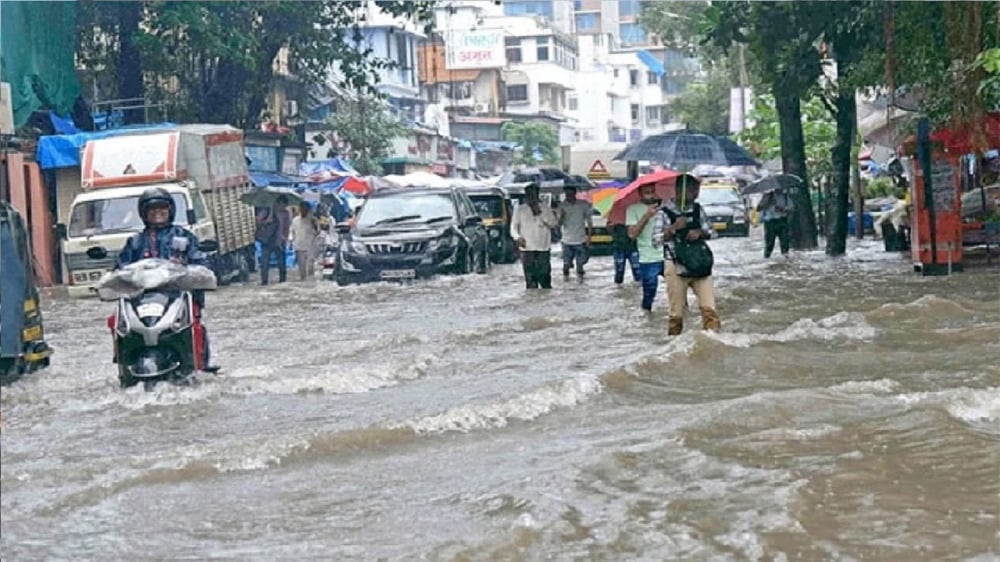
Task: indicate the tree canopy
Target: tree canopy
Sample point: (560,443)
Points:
(704,105)
(365,129)
(532,137)
(215,61)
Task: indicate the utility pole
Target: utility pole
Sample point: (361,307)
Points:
(744,80)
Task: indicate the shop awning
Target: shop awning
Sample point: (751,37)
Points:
(654,64)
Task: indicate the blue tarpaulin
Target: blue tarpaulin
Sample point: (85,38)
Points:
(264,179)
(63,151)
(652,62)
(63,125)
(337,165)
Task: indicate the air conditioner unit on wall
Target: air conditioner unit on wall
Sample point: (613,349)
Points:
(481,108)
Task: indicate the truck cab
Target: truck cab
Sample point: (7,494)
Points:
(109,217)
(204,169)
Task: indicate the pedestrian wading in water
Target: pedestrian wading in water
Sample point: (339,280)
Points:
(639,220)
(531,227)
(682,228)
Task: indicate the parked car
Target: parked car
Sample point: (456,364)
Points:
(494,205)
(412,233)
(726,211)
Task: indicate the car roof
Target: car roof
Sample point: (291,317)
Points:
(486,190)
(408,191)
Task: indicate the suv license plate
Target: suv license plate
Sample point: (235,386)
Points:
(398,274)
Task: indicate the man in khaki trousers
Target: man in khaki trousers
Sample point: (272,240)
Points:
(691,223)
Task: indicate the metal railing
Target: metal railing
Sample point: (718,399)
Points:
(110,114)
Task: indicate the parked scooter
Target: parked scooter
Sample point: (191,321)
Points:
(156,333)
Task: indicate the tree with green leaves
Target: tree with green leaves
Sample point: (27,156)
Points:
(365,128)
(785,60)
(763,137)
(215,61)
(532,136)
(704,105)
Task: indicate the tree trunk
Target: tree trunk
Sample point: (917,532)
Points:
(129,66)
(837,206)
(802,223)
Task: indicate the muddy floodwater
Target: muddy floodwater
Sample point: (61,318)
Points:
(849,410)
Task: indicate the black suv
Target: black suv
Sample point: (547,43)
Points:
(410,233)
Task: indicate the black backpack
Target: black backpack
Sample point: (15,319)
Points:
(696,257)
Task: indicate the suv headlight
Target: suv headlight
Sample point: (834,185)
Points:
(357,247)
(442,242)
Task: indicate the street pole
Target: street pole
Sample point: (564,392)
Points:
(924,153)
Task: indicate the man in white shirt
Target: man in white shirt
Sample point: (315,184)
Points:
(305,229)
(531,226)
(576,218)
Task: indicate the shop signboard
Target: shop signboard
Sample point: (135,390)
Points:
(475,49)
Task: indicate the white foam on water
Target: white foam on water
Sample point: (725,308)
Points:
(337,380)
(840,326)
(524,407)
(879,386)
(974,406)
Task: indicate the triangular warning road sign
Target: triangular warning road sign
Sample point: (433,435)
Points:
(598,168)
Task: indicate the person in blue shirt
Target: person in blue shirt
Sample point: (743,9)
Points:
(158,211)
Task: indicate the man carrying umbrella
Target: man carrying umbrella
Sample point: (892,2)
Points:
(273,227)
(531,226)
(774,208)
(682,227)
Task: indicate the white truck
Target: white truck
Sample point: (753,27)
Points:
(204,168)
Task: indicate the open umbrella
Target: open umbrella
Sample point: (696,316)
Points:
(685,150)
(786,182)
(601,199)
(266,196)
(664,182)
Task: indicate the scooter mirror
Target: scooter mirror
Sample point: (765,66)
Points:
(97,253)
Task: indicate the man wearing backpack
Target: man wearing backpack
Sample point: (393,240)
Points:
(682,227)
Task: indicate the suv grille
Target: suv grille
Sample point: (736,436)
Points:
(400,248)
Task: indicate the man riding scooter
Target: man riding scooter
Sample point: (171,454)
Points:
(157,210)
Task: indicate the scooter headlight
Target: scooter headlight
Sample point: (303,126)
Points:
(494,234)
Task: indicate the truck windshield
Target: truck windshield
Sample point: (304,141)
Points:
(106,216)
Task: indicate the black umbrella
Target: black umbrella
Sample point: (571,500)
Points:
(787,182)
(682,149)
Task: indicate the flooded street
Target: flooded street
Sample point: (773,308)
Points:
(849,410)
